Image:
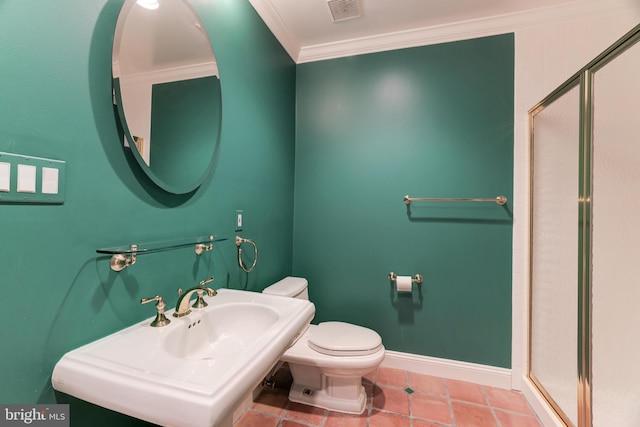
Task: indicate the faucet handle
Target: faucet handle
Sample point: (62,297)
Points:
(156,298)
(161,319)
(200,302)
(205,281)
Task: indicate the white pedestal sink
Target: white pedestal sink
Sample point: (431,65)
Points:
(192,372)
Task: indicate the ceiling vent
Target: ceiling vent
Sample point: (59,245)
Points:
(342,10)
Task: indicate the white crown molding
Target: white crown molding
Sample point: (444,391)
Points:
(461,30)
(278,27)
(400,40)
(175,74)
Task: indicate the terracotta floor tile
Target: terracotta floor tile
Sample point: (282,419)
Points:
(256,419)
(510,419)
(289,423)
(469,392)
(370,377)
(370,389)
(430,408)
(391,400)
(427,384)
(434,402)
(471,415)
(305,413)
(420,423)
(385,419)
(392,377)
(337,419)
(271,401)
(507,399)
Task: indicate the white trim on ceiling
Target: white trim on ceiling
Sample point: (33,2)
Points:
(481,27)
(167,75)
(278,27)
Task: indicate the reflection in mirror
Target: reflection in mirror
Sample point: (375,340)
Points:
(167,88)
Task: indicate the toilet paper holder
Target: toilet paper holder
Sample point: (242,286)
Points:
(415,279)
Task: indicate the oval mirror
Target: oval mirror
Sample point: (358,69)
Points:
(167,88)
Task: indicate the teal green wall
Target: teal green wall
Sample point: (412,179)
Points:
(182,120)
(366,130)
(433,121)
(56,101)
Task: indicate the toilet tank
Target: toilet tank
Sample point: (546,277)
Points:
(292,287)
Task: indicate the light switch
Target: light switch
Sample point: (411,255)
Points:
(239,219)
(26,179)
(49,180)
(5,176)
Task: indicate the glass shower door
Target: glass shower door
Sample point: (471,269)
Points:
(554,250)
(616,241)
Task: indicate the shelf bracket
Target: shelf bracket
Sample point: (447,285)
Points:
(121,261)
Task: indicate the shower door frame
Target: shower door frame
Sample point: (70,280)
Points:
(583,78)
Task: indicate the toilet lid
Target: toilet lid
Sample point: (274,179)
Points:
(344,339)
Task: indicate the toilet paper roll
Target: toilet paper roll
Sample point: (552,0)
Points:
(403,283)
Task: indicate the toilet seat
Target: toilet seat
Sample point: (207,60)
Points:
(344,339)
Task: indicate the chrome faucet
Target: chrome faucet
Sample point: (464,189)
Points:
(182,306)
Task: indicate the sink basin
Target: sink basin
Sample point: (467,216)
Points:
(192,372)
(222,332)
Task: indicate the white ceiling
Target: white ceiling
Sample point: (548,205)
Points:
(304,26)
(153,41)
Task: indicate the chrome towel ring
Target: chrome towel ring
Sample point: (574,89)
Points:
(239,242)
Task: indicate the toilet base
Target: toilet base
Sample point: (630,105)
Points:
(322,399)
(329,381)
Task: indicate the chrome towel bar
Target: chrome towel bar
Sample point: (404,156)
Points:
(501,200)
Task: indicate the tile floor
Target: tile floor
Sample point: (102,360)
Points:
(398,398)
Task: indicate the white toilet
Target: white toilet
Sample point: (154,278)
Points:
(328,361)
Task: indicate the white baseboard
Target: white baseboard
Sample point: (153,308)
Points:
(547,416)
(450,369)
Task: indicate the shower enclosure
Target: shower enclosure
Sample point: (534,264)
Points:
(584,331)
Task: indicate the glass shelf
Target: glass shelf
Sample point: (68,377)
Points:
(167,245)
(124,256)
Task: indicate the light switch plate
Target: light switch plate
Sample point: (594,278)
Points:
(5,177)
(32,179)
(50,180)
(26,178)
